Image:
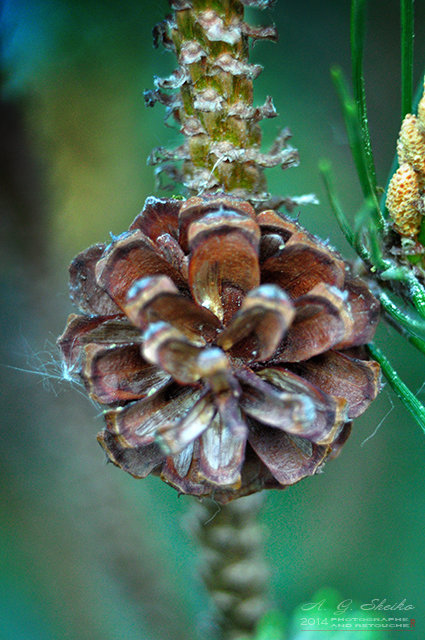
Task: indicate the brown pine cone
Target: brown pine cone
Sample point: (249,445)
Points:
(226,345)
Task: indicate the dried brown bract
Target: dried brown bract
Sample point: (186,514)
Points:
(226,345)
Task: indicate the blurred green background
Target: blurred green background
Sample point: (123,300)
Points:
(87,551)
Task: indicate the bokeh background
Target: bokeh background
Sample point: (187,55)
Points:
(86,551)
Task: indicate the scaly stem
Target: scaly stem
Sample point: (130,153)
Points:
(233,568)
(221,83)
(214,105)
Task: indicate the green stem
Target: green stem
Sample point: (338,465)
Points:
(407,36)
(410,401)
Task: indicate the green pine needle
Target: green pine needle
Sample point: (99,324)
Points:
(416,293)
(325,169)
(407,33)
(413,325)
(367,235)
(410,401)
(357,37)
(418,343)
(356,142)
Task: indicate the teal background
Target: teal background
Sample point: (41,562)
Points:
(86,551)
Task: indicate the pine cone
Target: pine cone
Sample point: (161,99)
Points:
(226,345)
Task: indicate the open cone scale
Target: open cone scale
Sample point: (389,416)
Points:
(226,345)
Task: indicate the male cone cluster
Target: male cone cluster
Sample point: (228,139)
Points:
(406,191)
